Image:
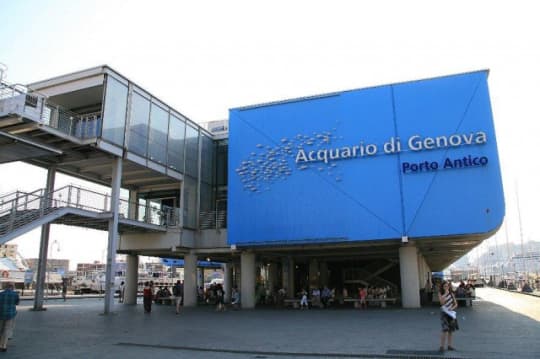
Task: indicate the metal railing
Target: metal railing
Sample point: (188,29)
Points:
(20,208)
(213,219)
(39,108)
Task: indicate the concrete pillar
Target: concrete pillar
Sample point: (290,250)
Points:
(133,206)
(272,277)
(313,274)
(421,275)
(227,281)
(112,244)
(247,285)
(408,265)
(44,244)
(132,279)
(190,280)
(291,290)
(324,273)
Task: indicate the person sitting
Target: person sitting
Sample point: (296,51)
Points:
(303,300)
(235,298)
(325,296)
(316,297)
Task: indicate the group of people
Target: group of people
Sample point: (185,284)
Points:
(149,296)
(216,294)
(321,298)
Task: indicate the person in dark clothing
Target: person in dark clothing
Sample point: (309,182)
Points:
(178,292)
(9,299)
(147,297)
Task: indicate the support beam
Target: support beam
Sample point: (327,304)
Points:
(113,235)
(132,279)
(44,243)
(190,280)
(313,274)
(247,286)
(408,265)
(227,281)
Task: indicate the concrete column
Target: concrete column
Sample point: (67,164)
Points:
(44,244)
(190,280)
(408,265)
(272,276)
(133,207)
(421,275)
(227,281)
(132,279)
(324,273)
(247,285)
(291,289)
(112,245)
(313,274)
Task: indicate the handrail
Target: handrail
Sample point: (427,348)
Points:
(39,108)
(26,207)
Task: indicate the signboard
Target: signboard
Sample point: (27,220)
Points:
(415,159)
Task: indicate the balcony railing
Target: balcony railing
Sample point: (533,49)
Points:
(18,100)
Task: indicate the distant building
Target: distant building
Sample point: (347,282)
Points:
(60,266)
(84,269)
(8,250)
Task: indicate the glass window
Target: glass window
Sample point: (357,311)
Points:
(206,197)
(159,124)
(138,128)
(192,151)
(190,202)
(114,113)
(177,129)
(206,159)
(221,163)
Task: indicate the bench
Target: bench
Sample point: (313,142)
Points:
(465,301)
(381,301)
(295,303)
(166,300)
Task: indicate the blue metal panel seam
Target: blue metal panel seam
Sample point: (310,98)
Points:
(445,153)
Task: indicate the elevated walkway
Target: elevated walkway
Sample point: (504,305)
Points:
(20,212)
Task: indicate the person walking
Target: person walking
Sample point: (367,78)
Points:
(9,299)
(220,296)
(178,292)
(64,288)
(122,290)
(147,297)
(448,315)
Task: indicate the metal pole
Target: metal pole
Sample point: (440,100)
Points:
(113,235)
(44,244)
(523,262)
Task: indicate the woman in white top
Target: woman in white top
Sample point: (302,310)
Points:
(448,316)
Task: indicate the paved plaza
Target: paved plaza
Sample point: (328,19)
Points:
(76,329)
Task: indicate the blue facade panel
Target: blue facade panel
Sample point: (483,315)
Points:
(416,159)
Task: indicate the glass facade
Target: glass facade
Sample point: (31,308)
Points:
(177,133)
(207,164)
(192,152)
(190,202)
(114,114)
(138,128)
(161,135)
(159,127)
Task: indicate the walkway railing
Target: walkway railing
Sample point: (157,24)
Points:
(20,208)
(17,99)
(213,219)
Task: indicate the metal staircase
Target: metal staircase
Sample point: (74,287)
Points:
(21,212)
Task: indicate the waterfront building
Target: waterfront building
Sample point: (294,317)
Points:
(369,187)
